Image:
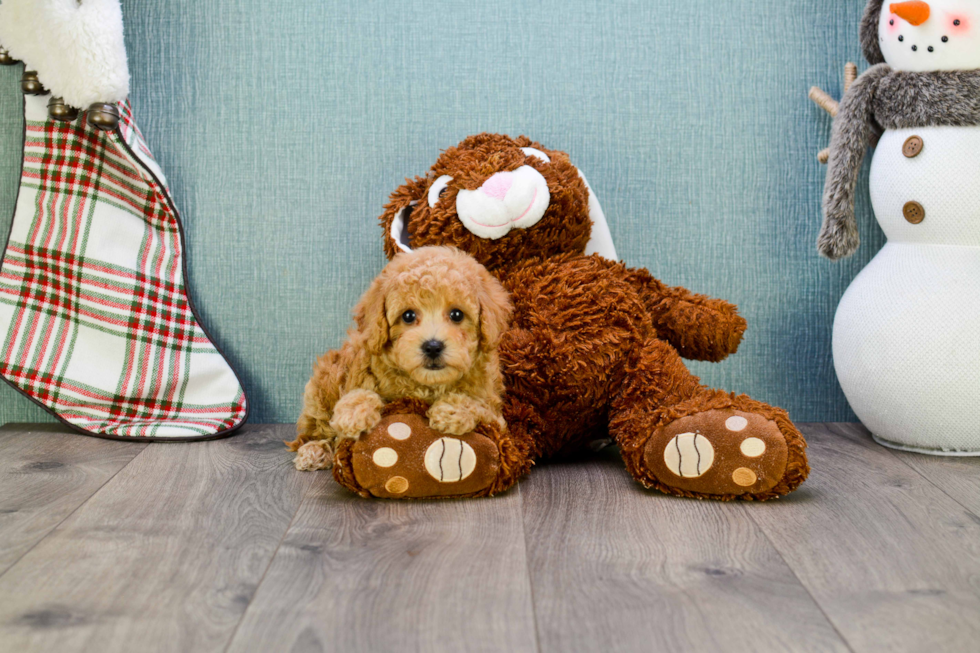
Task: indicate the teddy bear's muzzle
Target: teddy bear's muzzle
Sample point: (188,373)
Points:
(505,201)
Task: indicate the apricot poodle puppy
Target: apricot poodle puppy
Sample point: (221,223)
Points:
(428,329)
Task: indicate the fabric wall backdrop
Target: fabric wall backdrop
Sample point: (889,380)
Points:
(282,127)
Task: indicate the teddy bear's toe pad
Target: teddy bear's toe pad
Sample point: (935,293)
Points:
(718,452)
(403,457)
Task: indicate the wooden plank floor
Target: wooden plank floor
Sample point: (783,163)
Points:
(222,546)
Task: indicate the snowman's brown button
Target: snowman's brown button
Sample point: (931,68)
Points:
(912,147)
(914,212)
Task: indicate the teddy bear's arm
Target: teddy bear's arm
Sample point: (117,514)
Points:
(698,327)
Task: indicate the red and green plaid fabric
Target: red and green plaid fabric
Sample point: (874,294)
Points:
(95,321)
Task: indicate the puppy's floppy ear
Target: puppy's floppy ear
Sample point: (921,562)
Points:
(369,314)
(397,213)
(495,309)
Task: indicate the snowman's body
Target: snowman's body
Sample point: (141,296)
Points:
(907,331)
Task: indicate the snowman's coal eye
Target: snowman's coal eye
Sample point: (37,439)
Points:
(957,22)
(530,151)
(891,22)
(438,187)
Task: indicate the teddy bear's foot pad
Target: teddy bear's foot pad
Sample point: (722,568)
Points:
(402,457)
(718,452)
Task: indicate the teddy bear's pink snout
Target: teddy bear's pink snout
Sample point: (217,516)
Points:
(498,185)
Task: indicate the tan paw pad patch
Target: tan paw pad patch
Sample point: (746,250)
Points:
(752,447)
(397,485)
(449,460)
(689,455)
(404,457)
(400,430)
(736,423)
(744,476)
(718,452)
(385,457)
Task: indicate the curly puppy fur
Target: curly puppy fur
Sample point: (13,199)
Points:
(431,295)
(595,346)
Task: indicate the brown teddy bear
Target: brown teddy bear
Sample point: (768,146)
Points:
(595,347)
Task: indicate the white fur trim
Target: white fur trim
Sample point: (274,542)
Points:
(76,48)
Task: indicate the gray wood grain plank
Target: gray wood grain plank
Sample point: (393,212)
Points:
(615,567)
(46,472)
(372,575)
(165,557)
(892,560)
(959,477)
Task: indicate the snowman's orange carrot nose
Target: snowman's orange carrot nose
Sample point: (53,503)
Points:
(915,13)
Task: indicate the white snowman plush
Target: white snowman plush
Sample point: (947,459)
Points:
(907,332)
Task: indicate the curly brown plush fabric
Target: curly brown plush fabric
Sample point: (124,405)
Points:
(595,346)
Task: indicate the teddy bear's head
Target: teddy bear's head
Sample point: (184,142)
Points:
(501,199)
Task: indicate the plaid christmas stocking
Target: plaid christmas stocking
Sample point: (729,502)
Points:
(95,321)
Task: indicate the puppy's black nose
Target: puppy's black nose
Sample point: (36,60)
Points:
(432,348)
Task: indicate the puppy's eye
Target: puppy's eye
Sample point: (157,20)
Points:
(530,151)
(438,187)
(456,315)
(408,317)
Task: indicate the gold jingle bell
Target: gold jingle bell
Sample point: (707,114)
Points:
(103,115)
(5,58)
(58,110)
(30,84)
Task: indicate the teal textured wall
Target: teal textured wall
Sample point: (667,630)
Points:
(283,126)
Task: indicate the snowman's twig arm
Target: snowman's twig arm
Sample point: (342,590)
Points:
(853,131)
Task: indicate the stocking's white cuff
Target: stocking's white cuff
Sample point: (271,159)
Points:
(75,46)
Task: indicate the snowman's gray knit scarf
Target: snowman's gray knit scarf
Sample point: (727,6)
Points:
(885,99)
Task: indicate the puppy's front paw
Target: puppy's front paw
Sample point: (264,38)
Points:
(356,412)
(452,418)
(313,456)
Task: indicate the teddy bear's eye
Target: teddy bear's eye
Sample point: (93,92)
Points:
(530,151)
(456,315)
(438,188)
(408,317)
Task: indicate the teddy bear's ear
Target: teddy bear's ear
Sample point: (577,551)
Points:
(398,212)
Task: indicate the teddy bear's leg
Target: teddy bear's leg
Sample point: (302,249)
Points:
(683,438)
(403,457)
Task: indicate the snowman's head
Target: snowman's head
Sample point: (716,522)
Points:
(920,36)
